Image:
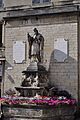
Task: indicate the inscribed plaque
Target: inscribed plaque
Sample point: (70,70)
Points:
(18,51)
(60,50)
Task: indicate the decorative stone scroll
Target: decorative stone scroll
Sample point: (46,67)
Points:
(18,51)
(60,50)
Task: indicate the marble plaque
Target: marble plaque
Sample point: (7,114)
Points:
(60,50)
(18,51)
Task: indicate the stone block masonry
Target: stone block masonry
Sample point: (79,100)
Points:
(38,112)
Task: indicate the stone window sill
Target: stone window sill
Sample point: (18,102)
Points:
(38,5)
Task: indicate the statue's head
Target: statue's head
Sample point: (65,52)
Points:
(35,30)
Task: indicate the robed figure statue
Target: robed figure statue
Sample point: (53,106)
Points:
(36,45)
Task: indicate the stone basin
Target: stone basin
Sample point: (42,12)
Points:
(29,91)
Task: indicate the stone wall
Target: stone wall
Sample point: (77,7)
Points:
(63,75)
(11,3)
(28,3)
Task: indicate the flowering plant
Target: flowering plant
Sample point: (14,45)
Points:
(40,100)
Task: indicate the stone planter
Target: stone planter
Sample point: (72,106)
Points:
(37,112)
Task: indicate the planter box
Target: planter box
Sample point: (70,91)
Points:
(37,112)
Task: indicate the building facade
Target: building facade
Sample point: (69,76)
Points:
(59,23)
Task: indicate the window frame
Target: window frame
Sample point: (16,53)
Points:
(40,2)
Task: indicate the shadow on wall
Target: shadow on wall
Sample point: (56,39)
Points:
(63,74)
(8,66)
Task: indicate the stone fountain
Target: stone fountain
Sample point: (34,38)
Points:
(35,76)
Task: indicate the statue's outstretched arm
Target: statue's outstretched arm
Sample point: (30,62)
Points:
(30,41)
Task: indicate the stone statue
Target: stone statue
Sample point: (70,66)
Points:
(27,82)
(30,81)
(36,45)
(35,82)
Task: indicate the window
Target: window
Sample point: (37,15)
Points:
(40,1)
(1,2)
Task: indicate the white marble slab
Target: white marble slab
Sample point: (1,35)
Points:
(18,51)
(60,49)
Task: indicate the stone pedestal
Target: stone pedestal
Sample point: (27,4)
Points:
(37,112)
